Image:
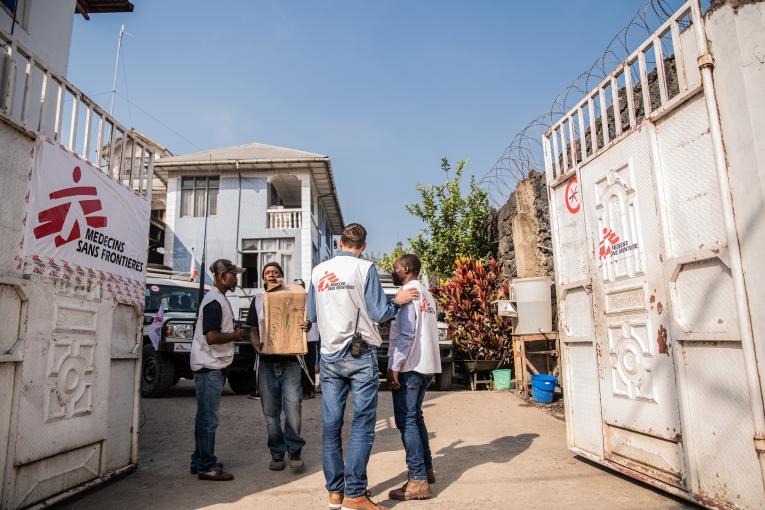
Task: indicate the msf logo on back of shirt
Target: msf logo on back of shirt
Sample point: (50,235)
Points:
(68,219)
(330,281)
(426,307)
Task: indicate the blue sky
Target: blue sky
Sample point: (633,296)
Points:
(385,88)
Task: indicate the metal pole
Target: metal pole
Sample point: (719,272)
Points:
(116,67)
(204,239)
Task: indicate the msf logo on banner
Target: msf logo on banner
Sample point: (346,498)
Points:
(66,219)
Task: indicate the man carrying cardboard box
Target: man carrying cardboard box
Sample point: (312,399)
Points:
(279,376)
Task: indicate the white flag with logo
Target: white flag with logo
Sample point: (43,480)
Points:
(155,330)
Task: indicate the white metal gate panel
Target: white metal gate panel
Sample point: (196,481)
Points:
(640,410)
(717,424)
(577,333)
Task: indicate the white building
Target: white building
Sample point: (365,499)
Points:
(265,204)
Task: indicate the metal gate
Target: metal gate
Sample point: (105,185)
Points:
(659,366)
(76,200)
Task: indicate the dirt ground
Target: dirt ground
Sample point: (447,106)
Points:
(491,450)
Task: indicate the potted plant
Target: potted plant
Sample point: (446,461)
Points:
(481,337)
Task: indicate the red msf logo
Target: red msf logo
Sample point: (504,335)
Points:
(425,307)
(65,223)
(610,238)
(326,280)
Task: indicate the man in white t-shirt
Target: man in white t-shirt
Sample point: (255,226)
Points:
(413,359)
(347,301)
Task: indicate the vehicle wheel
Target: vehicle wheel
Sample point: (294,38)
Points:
(242,383)
(443,380)
(157,373)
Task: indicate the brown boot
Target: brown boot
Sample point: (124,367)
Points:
(335,500)
(360,503)
(412,489)
(431,476)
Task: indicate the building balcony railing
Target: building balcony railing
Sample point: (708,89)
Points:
(279,218)
(42,102)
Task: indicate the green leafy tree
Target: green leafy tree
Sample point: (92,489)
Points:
(457,224)
(386,260)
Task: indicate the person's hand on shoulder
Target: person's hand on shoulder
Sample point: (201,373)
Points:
(404,296)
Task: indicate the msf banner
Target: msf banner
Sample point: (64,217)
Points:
(83,226)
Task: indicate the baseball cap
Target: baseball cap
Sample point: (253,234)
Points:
(221,266)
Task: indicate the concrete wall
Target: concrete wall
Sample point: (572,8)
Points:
(523,225)
(45,30)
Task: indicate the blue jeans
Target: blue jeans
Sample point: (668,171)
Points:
(360,376)
(281,390)
(209,387)
(407,409)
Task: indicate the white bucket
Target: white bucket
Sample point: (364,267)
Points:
(533,299)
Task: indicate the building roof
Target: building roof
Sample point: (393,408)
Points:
(258,156)
(247,152)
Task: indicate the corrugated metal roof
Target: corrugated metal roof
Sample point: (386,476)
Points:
(247,152)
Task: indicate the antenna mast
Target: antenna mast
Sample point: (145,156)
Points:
(116,67)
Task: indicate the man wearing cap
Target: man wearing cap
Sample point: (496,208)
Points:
(279,383)
(347,300)
(212,350)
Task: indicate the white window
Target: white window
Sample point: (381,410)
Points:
(193,191)
(256,253)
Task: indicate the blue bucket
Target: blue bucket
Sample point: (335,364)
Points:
(543,387)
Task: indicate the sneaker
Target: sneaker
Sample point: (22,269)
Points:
(296,463)
(431,476)
(412,489)
(193,470)
(216,475)
(276,464)
(360,503)
(335,500)
(254,395)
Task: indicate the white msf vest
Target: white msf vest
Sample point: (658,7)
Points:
(338,286)
(424,354)
(204,355)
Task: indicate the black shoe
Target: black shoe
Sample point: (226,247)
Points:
(276,464)
(296,463)
(216,475)
(254,395)
(194,470)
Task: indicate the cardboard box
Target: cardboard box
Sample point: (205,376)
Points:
(284,310)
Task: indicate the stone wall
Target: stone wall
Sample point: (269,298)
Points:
(523,230)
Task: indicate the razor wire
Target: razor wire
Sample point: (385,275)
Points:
(525,152)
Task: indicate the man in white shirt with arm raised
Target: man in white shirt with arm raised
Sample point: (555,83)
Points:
(413,358)
(347,301)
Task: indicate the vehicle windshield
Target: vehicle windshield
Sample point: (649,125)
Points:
(175,299)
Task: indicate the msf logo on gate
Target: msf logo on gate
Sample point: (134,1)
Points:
(66,219)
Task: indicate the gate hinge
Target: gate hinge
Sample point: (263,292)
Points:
(706,60)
